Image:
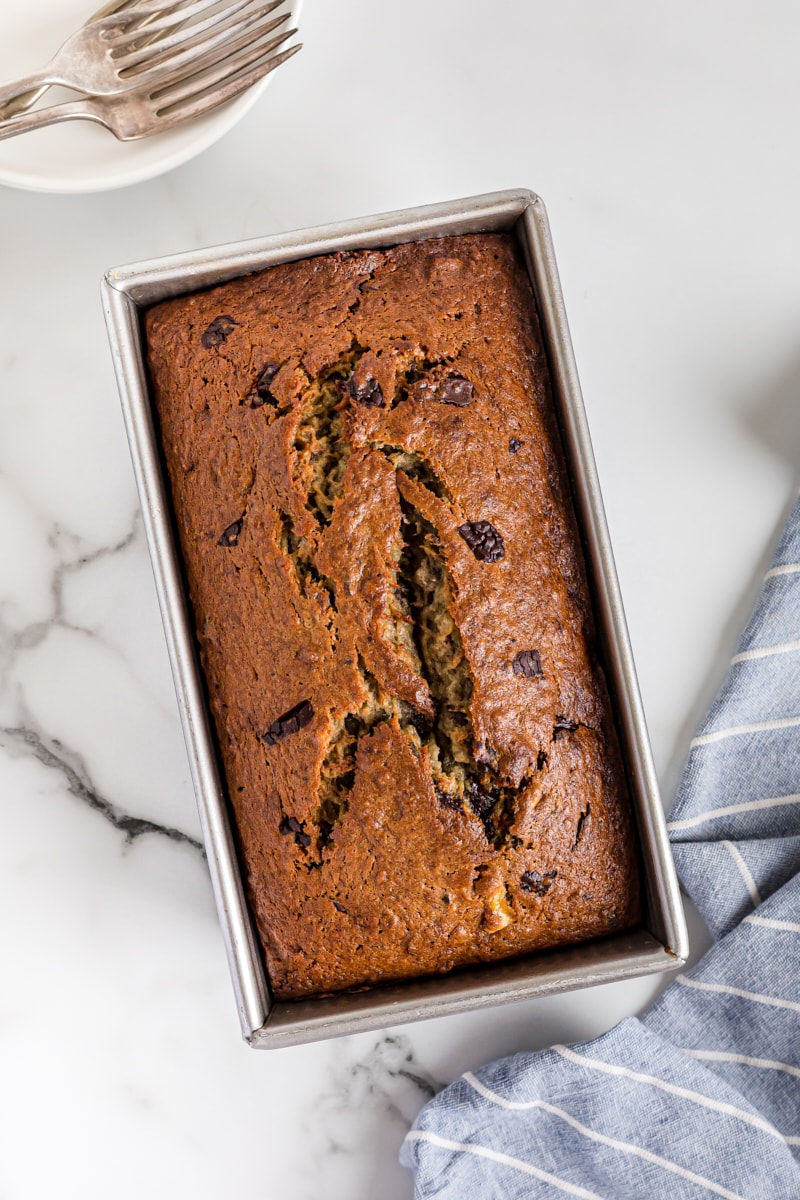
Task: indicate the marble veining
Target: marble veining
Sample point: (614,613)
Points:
(26,736)
(79,784)
(383,1081)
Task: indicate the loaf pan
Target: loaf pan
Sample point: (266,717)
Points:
(661,942)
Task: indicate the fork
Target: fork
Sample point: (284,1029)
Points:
(106,56)
(27,100)
(140,111)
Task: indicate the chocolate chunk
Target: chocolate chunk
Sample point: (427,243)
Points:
(403,594)
(367,393)
(529,664)
(421,723)
(218,331)
(448,800)
(230,536)
(262,394)
(561,726)
(292,825)
(582,819)
(479,801)
(459,717)
(340,907)
(291,722)
(485,542)
(482,804)
(532,881)
(514,445)
(455,390)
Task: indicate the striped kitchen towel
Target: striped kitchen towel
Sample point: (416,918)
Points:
(701,1096)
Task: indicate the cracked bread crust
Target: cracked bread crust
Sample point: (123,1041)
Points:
(392,613)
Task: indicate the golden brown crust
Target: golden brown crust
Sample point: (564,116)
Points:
(414,726)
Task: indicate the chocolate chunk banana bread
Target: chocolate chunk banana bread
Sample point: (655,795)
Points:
(392,613)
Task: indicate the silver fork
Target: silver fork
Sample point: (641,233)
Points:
(106,57)
(189,93)
(27,100)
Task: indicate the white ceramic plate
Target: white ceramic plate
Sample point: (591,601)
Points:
(79,156)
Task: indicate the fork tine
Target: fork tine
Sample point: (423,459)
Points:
(129,36)
(195,38)
(235,54)
(213,73)
(112,9)
(186,108)
(137,9)
(172,12)
(185,64)
(136,29)
(121,9)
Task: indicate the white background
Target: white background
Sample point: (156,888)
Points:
(663,139)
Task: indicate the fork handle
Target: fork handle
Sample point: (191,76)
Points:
(22,102)
(75,110)
(28,83)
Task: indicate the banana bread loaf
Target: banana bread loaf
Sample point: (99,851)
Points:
(392,613)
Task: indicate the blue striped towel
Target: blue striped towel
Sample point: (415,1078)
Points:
(701,1095)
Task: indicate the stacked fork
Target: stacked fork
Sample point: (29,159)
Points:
(145,66)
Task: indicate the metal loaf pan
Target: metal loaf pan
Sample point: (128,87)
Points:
(661,943)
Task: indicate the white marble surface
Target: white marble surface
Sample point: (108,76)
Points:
(662,137)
